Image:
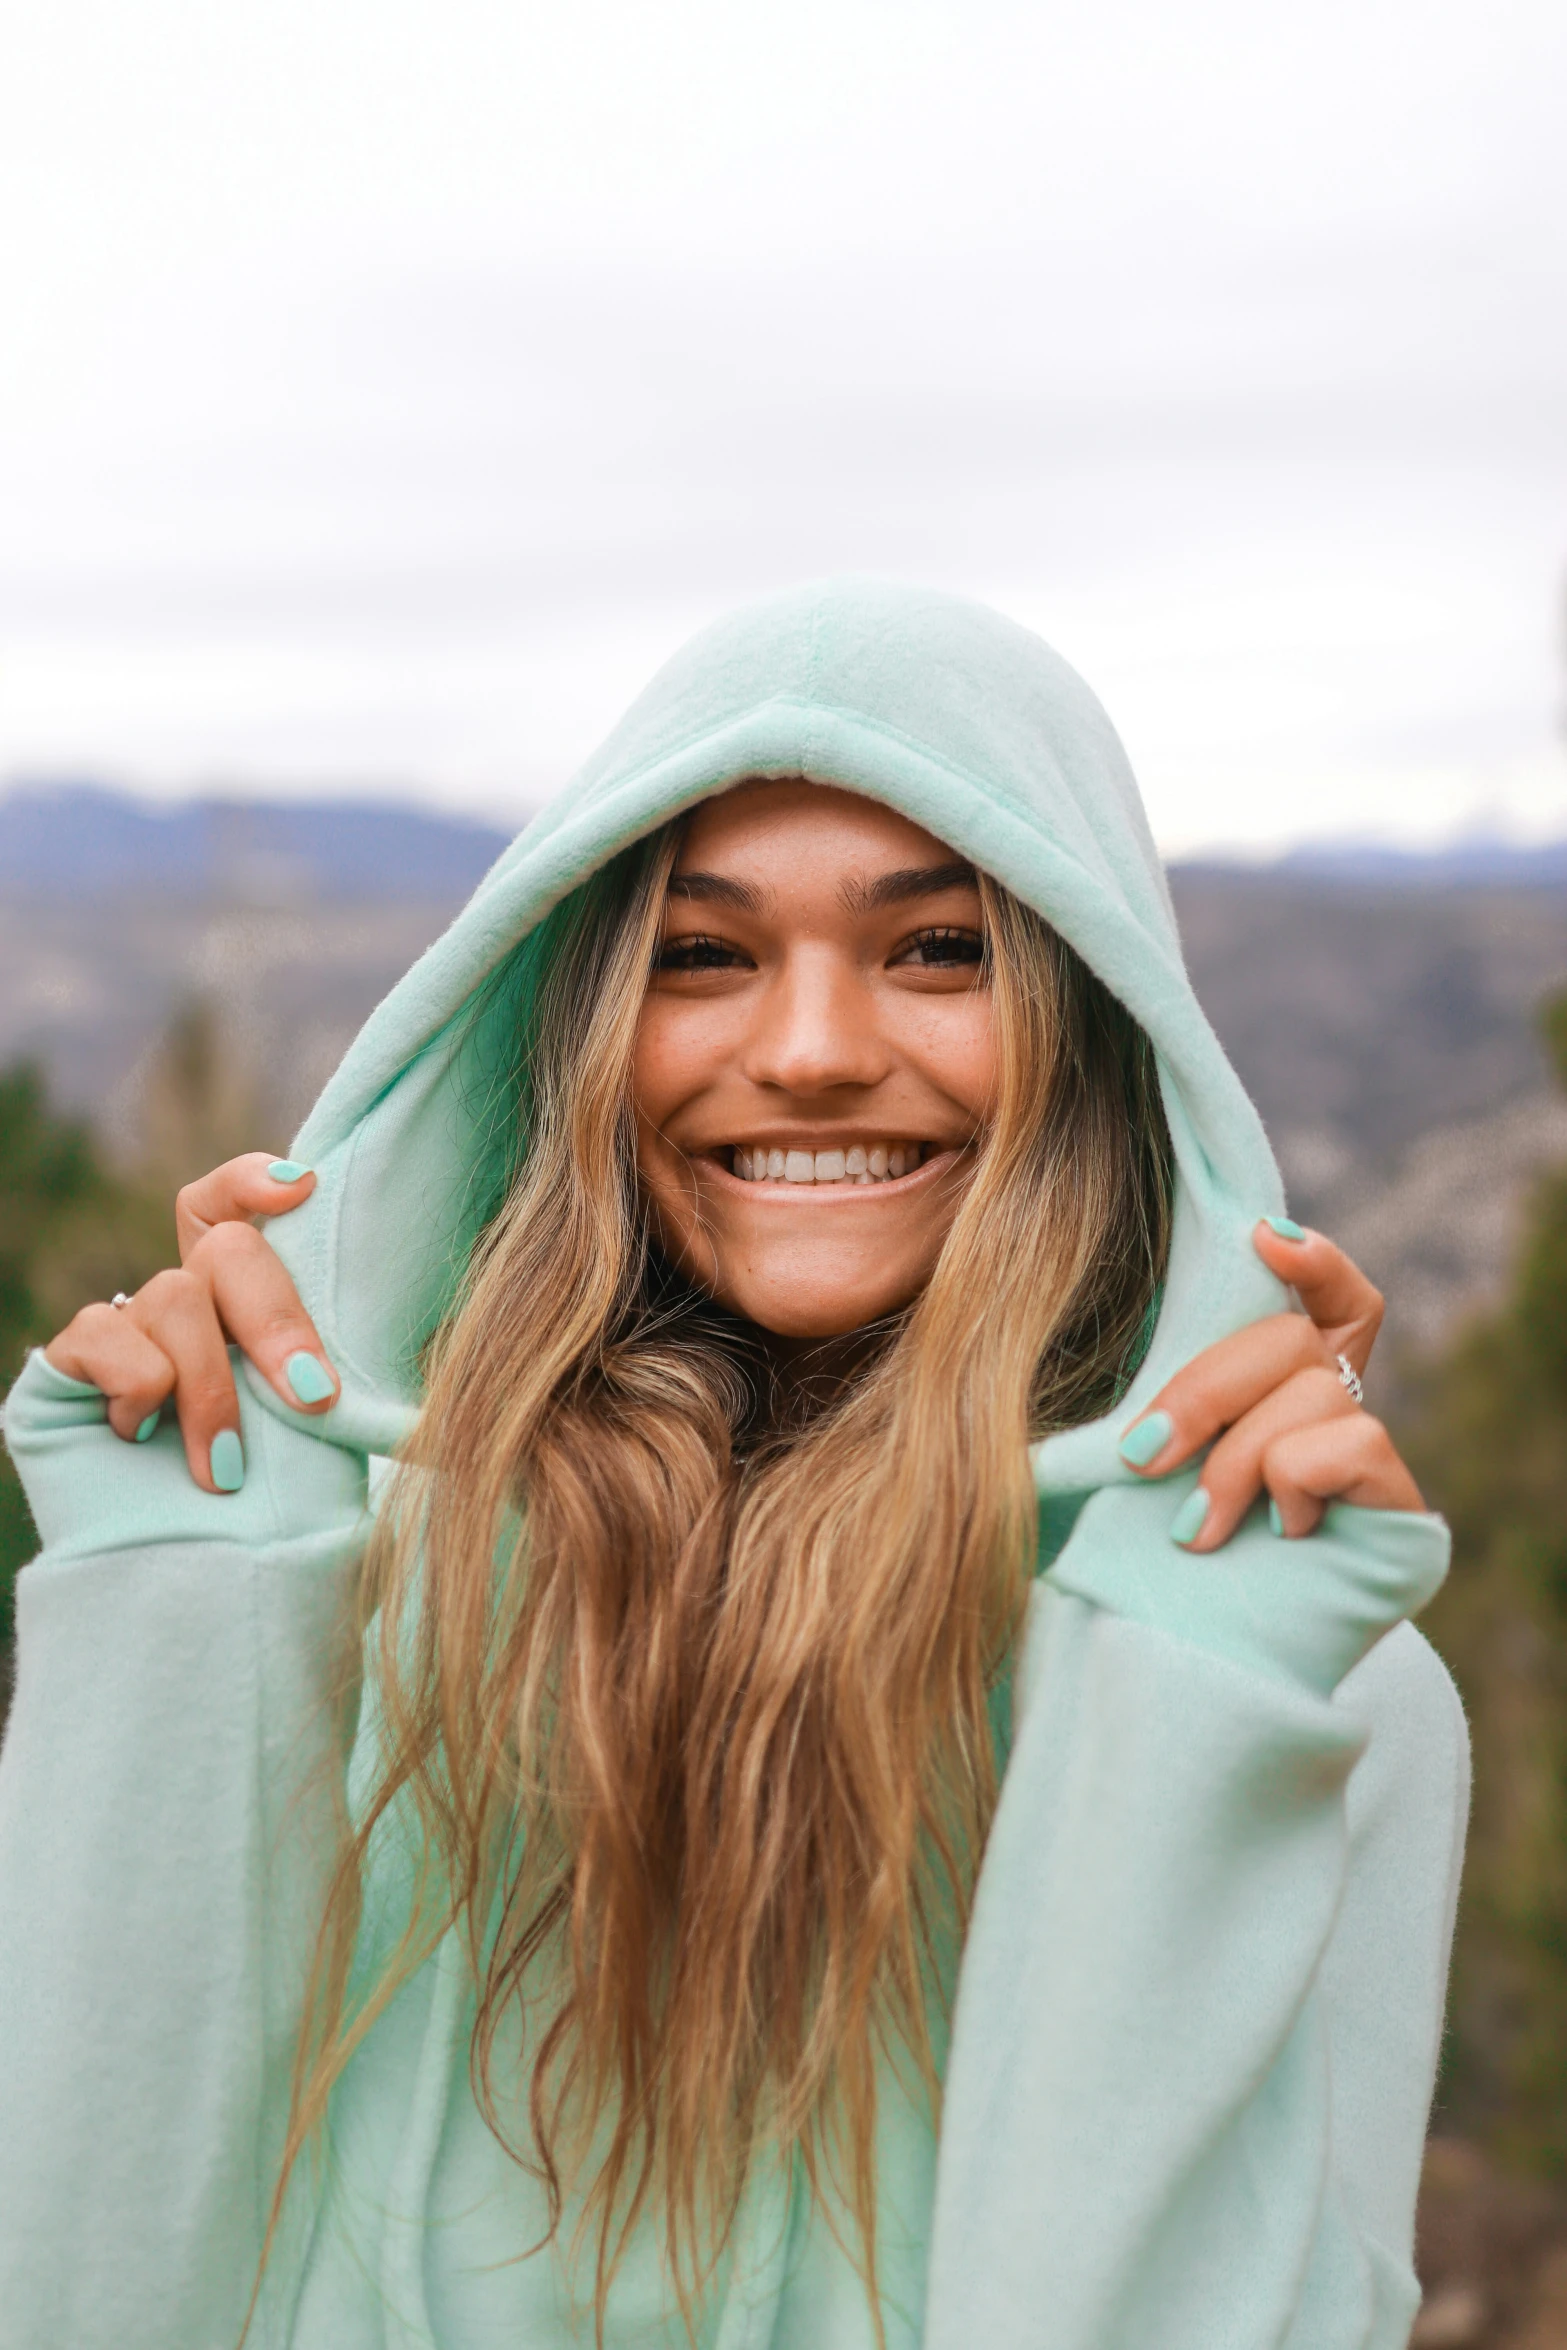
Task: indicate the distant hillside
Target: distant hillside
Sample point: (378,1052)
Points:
(1476,863)
(77,841)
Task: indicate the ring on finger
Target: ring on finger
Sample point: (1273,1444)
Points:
(1349,1379)
(119,1299)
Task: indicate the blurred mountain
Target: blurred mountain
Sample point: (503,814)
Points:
(1378,1006)
(78,841)
(1479,861)
(1386,1030)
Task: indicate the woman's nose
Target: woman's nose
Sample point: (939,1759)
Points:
(816,1028)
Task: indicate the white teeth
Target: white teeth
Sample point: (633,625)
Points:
(865,1163)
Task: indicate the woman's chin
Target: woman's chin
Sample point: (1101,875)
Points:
(794,1305)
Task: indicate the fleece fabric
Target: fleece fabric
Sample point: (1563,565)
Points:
(1200,2000)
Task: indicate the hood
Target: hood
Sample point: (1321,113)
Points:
(948,712)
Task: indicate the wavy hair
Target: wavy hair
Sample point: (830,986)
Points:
(685,1697)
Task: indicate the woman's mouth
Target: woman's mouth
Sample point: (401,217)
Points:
(845,1164)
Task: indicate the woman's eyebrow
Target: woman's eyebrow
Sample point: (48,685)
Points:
(718,889)
(911,881)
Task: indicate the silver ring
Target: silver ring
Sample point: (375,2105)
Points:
(1349,1380)
(119,1298)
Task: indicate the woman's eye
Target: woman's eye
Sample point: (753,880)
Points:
(698,954)
(945,949)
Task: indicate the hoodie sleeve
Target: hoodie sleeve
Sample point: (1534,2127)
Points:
(169,1794)
(1201,2000)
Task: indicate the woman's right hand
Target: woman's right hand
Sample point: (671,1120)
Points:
(172,1338)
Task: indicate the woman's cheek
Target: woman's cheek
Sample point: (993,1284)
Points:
(653,1077)
(681,1049)
(952,1039)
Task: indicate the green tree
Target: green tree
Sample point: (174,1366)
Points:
(74,1227)
(1486,1432)
(49,1171)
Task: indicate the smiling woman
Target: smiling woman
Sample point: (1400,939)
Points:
(828,1857)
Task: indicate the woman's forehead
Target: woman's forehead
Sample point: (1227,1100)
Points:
(764,817)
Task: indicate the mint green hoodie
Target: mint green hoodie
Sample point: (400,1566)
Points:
(1200,2001)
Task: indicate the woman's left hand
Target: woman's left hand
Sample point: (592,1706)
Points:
(1273,1405)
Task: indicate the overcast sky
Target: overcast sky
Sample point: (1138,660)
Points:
(387,385)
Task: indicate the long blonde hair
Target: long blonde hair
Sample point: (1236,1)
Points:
(685,1705)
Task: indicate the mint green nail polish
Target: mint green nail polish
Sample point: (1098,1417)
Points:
(1285,1226)
(286,1170)
(307,1377)
(227,1461)
(149,1427)
(1146,1439)
(1276,1519)
(1187,1523)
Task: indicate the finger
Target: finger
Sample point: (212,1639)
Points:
(1233,1475)
(259,1309)
(103,1347)
(1218,1387)
(255,1185)
(176,1311)
(1344,1305)
(1353,1459)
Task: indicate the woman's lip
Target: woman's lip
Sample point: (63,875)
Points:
(773,1189)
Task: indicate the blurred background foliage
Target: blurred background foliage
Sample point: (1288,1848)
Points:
(1484,1426)
(78,1222)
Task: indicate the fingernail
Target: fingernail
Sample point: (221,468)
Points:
(1276,1519)
(149,1427)
(1187,1522)
(286,1170)
(227,1461)
(1285,1226)
(307,1377)
(1146,1439)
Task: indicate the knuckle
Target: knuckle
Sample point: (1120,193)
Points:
(207,1395)
(283,1322)
(231,1243)
(1375,1442)
(1234,1452)
(172,1290)
(1275,1465)
(1325,1390)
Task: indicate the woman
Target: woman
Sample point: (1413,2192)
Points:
(863,1431)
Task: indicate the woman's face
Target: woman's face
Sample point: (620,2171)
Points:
(815,1057)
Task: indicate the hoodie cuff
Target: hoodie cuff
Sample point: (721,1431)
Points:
(1305,1611)
(91,1491)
